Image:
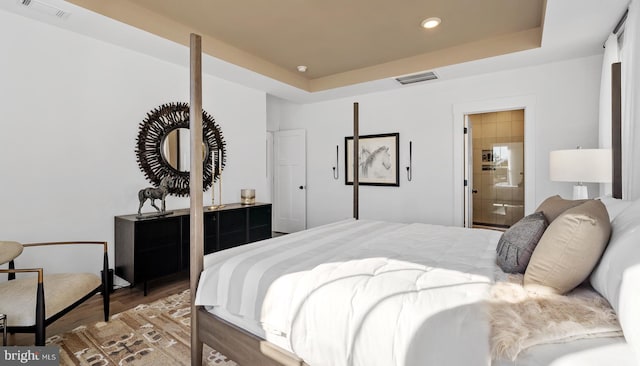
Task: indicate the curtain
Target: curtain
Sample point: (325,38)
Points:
(610,57)
(631,104)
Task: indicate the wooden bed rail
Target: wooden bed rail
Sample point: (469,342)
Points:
(241,346)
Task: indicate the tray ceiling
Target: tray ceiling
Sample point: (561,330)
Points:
(341,42)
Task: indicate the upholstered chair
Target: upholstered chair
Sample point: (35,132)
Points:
(32,303)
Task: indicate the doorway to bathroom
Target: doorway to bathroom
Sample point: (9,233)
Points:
(496,171)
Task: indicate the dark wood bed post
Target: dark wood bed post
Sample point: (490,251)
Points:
(356,180)
(616,128)
(195,190)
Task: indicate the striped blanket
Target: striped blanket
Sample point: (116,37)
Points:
(362,292)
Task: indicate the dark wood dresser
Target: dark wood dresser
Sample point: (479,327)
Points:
(150,248)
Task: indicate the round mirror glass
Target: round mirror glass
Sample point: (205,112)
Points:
(175,149)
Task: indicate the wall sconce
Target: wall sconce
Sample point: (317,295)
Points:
(410,167)
(336,172)
(580,166)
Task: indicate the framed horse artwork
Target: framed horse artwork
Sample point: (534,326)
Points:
(378,157)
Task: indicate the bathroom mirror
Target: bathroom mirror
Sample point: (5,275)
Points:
(162,147)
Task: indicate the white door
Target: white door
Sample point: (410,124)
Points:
(468,174)
(269,164)
(290,201)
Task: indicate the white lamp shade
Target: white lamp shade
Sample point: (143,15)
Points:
(580,165)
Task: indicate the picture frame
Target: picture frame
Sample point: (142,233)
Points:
(379,159)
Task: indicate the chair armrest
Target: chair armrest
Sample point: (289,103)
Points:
(25,270)
(105,261)
(104,243)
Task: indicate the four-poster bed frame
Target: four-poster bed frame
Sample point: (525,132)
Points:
(236,343)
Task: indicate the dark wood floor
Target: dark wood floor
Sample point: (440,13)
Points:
(121,299)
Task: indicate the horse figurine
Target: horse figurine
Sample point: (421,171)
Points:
(153,194)
(378,162)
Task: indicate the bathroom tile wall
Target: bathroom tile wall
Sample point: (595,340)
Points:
(500,192)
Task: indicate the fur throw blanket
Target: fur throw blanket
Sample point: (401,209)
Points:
(520,320)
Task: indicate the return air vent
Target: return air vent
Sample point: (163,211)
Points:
(416,78)
(44,8)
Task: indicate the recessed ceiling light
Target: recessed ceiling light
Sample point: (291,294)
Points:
(431,22)
(302,68)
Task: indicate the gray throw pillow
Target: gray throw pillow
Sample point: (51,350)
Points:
(517,243)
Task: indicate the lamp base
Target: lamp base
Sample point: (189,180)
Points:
(580,192)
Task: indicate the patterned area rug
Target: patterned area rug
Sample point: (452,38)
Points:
(149,334)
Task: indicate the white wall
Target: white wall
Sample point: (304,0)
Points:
(566,103)
(71,107)
(273,112)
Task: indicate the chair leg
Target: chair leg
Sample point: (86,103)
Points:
(106,290)
(105,300)
(40,315)
(11,276)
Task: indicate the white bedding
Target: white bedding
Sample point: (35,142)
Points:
(362,292)
(612,351)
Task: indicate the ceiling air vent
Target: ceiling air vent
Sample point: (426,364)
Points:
(416,78)
(44,8)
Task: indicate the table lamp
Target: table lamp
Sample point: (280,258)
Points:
(580,166)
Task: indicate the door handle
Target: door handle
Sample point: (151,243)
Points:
(301,187)
(474,191)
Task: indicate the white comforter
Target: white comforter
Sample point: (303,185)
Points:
(363,292)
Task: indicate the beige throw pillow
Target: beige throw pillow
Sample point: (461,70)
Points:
(553,206)
(569,249)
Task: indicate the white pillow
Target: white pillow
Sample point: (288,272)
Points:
(629,305)
(617,276)
(614,205)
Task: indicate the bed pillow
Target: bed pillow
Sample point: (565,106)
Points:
(614,205)
(517,243)
(622,253)
(569,249)
(618,274)
(553,206)
(628,315)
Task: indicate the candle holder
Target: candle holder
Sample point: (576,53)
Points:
(247,196)
(213,187)
(221,205)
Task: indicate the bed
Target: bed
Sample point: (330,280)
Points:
(420,290)
(360,292)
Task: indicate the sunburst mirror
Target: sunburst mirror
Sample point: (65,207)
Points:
(162,147)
